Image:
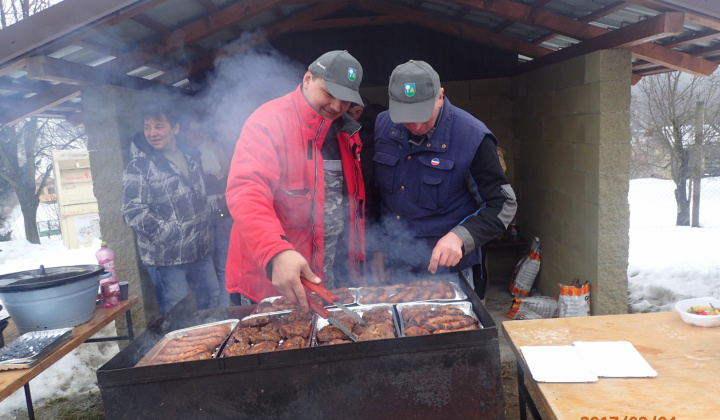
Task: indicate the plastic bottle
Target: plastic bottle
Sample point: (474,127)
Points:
(109,286)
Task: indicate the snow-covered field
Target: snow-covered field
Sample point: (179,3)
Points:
(666,264)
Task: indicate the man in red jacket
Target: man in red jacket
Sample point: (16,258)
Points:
(294,178)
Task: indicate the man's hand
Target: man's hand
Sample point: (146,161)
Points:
(447,252)
(287,267)
(377,267)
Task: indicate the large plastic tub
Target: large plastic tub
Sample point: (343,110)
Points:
(51,298)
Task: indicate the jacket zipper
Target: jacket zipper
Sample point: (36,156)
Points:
(357,206)
(314,201)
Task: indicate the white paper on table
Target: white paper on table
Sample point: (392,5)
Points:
(614,359)
(557,364)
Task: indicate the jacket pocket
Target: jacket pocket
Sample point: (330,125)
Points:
(436,177)
(429,192)
(294,208)
(385,166)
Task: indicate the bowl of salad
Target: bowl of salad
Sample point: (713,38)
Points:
(702,311)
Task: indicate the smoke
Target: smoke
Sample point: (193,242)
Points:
(244,81)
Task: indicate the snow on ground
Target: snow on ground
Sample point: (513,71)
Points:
(666,264)
(669,263)
(74,374)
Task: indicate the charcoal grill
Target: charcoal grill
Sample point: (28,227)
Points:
(455,375)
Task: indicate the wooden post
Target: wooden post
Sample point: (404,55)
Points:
(697,164)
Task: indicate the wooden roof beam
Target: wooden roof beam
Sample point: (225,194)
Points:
(352,22)
(693,38)
(214,23)
(38,103)
(582,31)
(636,34)
(691,14)
(288,24)
(50,25)
(607,10)
(460,30)
(57,70)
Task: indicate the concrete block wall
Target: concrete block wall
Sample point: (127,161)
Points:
(572,151)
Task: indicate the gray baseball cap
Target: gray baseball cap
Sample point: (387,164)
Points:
(413,88)
(342,75)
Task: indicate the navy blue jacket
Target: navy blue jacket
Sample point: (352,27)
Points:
(451,182)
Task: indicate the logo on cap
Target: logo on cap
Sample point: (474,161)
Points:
(435,162)
(410,89)
(352,74)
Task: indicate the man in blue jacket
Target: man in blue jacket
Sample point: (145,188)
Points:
(443,191)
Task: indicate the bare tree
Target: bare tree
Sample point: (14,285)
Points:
(12,11)
(665,105)
(26,155)
(25,148)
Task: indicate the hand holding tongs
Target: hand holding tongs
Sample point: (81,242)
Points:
(319,309)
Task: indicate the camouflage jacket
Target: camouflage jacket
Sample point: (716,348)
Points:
(167,210)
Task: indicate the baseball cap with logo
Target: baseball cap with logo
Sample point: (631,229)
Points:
(341,73)
(413,88)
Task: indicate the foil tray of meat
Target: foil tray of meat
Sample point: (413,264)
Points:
(423,318)
(280,303)
(267,332)
(380,319)
(414,291)
(194,343)
(26,350)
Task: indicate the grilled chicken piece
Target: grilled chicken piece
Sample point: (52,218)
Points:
(236,349)
(255,322)
(379,314)
(415,330)
(264,347)
(299,315)
(377,332)
(296,342)
(265,334)
(297,328)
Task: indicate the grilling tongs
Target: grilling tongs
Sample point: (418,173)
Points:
(319,309)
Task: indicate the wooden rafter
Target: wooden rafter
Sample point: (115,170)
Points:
(61,71)
(636,34)
(607,10)
(583,31)
(693,38)
(214,23)
(690,16)
(352,22)
(459,30)
(38,103)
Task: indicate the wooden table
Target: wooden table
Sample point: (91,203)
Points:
(12,380)
(686,359)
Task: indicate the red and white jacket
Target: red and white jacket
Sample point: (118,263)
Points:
(276,194)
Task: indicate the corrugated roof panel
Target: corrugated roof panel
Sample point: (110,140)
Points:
(261,20)
(217,40)
(124,34)
(177,13)
(440,7)
(482,20)
(62,52)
